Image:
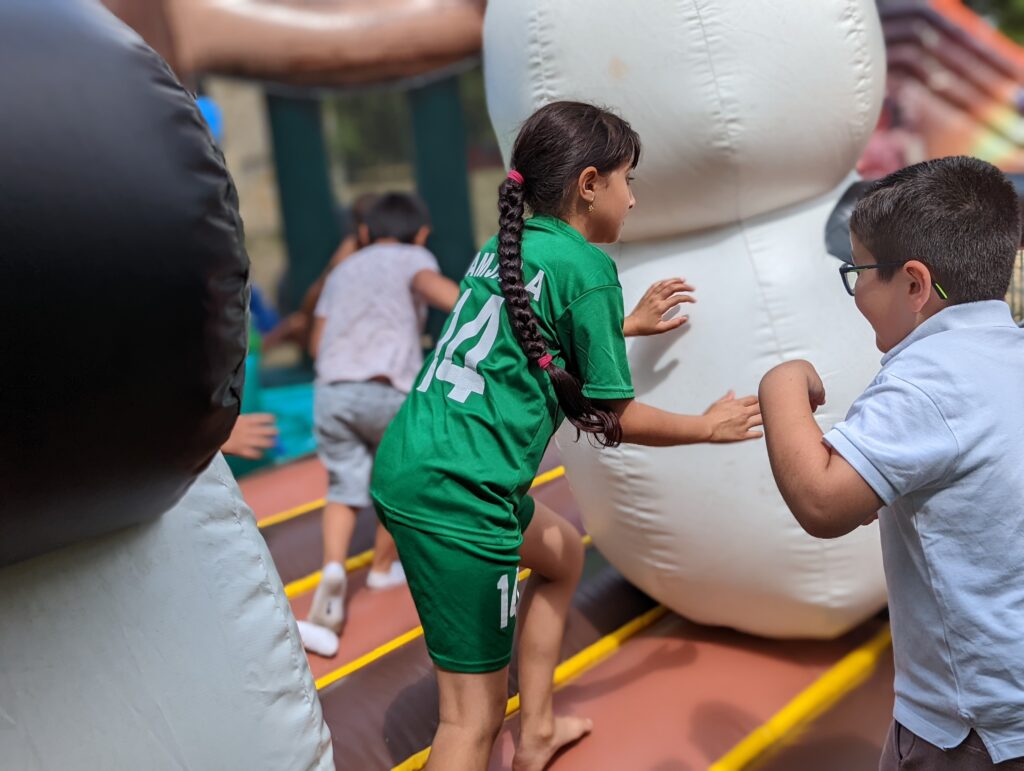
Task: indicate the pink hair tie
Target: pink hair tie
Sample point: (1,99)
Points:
(516,177)
(544,361)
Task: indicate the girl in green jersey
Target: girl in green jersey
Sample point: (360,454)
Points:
(537,336)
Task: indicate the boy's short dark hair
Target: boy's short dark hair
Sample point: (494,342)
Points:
(361,206)
(958,215)
(397,215)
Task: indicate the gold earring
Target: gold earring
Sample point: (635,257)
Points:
(590,208)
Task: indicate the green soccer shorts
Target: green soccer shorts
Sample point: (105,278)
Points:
(466,595)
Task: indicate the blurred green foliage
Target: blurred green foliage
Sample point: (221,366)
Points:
(1007,14)
(371,129)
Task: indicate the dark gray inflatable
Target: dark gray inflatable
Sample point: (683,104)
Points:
(123,280)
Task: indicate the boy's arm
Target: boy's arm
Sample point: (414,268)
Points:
(435,290)
(314,335)
(824,492)
(253,434)
(348,247)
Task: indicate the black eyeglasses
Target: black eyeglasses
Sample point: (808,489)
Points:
(849,274)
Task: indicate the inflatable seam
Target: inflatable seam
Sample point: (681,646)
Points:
(536,46)
(862,65)
(760,284)
(266,584)
(727,125)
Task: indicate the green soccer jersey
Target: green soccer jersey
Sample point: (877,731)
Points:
(463,450)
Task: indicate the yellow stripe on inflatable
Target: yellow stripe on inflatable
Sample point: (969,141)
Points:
(310,582)
(298,511)
(849,672)
(567,670)
(369,658)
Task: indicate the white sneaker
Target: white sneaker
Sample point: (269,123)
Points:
(328,608)
(394,577)
(316,639)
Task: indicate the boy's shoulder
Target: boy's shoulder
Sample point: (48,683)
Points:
(958,353)
(961,340)
(952,369)
(384,259)
(393,251)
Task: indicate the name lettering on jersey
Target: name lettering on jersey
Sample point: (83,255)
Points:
(535,285)
(485,265)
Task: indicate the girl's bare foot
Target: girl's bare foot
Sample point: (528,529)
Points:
(534,753)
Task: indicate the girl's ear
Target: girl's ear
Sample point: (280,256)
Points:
(920,284)
(587,184)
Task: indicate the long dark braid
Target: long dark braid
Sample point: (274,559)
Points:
(554,146)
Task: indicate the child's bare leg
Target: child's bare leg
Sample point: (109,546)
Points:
(472,710)
(339,522)
(384,551)
(328,606)
(553,550)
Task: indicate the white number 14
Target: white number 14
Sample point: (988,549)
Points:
(508,605)
(465,379)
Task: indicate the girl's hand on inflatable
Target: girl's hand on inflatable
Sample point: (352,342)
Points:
(734,420)
(661,297)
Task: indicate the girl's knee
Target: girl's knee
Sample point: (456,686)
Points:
(575,554)
(567,564)
(476,706)
(481,721)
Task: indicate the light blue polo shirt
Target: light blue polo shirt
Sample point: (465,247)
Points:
(939,435)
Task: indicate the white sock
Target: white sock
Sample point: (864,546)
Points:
(333,573)
(317,639)
(328,607)
(394,577)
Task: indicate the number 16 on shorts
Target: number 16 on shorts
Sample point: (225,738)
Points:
(508,590)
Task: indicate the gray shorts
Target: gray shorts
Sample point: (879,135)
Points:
(349,420)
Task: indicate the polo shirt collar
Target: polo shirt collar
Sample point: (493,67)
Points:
(986,313)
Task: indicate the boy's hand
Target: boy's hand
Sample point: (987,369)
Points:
(253,434)
(790,373)
(815,388)
(733,420)
(659,299)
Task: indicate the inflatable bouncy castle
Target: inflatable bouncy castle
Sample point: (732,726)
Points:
(145,625)
(752,118)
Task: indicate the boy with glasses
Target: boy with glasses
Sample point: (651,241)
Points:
(934,449)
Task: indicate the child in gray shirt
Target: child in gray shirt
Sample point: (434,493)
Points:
(367,342)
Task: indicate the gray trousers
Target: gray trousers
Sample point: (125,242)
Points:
(906,751)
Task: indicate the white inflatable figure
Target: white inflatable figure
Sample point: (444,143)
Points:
(752,116)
